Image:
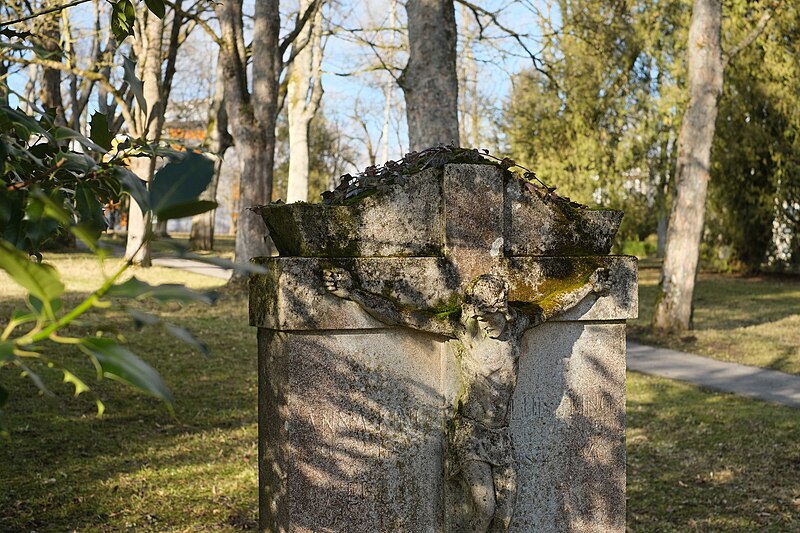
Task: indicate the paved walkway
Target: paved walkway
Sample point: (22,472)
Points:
(750,381)
(197,267)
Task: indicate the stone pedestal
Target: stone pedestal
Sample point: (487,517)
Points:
(363,368)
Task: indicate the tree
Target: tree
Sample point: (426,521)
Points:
(217,141)
(595,117)
(252,116)
(157,50)
(429,81)
(705,71)
(759,180)
(330,154)
(304,92)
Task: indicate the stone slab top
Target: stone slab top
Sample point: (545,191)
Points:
(440,212)
(292,295)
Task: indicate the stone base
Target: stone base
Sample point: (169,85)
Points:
(352,429)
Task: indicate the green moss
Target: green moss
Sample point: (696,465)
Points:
(559,280)
(446,310)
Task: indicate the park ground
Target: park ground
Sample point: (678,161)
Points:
(697,460)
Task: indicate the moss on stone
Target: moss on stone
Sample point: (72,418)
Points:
(571,275)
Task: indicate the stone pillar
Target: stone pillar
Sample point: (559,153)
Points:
(452,331)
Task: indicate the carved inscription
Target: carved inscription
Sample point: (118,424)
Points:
(594,406)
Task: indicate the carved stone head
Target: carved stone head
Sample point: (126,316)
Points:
(486,300)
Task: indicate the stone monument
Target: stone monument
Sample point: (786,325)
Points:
(442,352)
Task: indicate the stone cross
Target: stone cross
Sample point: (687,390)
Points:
(448,355)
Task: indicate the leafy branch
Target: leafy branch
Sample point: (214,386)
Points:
(66,195)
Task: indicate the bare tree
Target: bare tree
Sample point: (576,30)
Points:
(217,141)
(252,116)
(304,92)
(156,47)
(429,81)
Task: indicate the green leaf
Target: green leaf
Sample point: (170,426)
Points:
(33,376)
(99,131)
(136,188)
(80,386)
(156,7)
(41,281)
(135,288)
(141,318)
(116,362)
(188,209)
(87,233)
(186,336)
(179,183)
(6,351)
(39,225)
(136,85)
(62,133)
(123,16)
(52,208)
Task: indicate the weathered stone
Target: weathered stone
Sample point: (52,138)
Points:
(555,228)
(471,380)
(290,296)
(483,206)
(402,222)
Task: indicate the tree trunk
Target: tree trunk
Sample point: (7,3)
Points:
(137,249)
(388,87)
(218,140)
(156,74)
(429,81)
(252,116)
(50,90)
(705,77)
(303,95)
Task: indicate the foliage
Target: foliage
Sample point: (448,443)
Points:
(380,178)
(49,188)
(599,120)
(754,185)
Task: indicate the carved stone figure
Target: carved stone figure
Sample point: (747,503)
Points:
(486,340)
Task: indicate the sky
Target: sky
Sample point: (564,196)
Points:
(354,91)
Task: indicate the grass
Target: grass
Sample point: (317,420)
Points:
(697,460)
(223,244)
(748,320)
(138,468)
(706,461)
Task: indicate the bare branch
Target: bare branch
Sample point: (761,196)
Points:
(196,18)
(43,12)
(298,27)
(125,109)
(757,30)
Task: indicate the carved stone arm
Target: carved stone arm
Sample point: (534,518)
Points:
(561,302)
(339,282)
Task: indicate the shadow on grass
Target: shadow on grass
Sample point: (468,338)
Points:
(729,302)
(707,461)
(138,467)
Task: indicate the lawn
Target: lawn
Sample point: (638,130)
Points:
(697,460)
(748,320)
